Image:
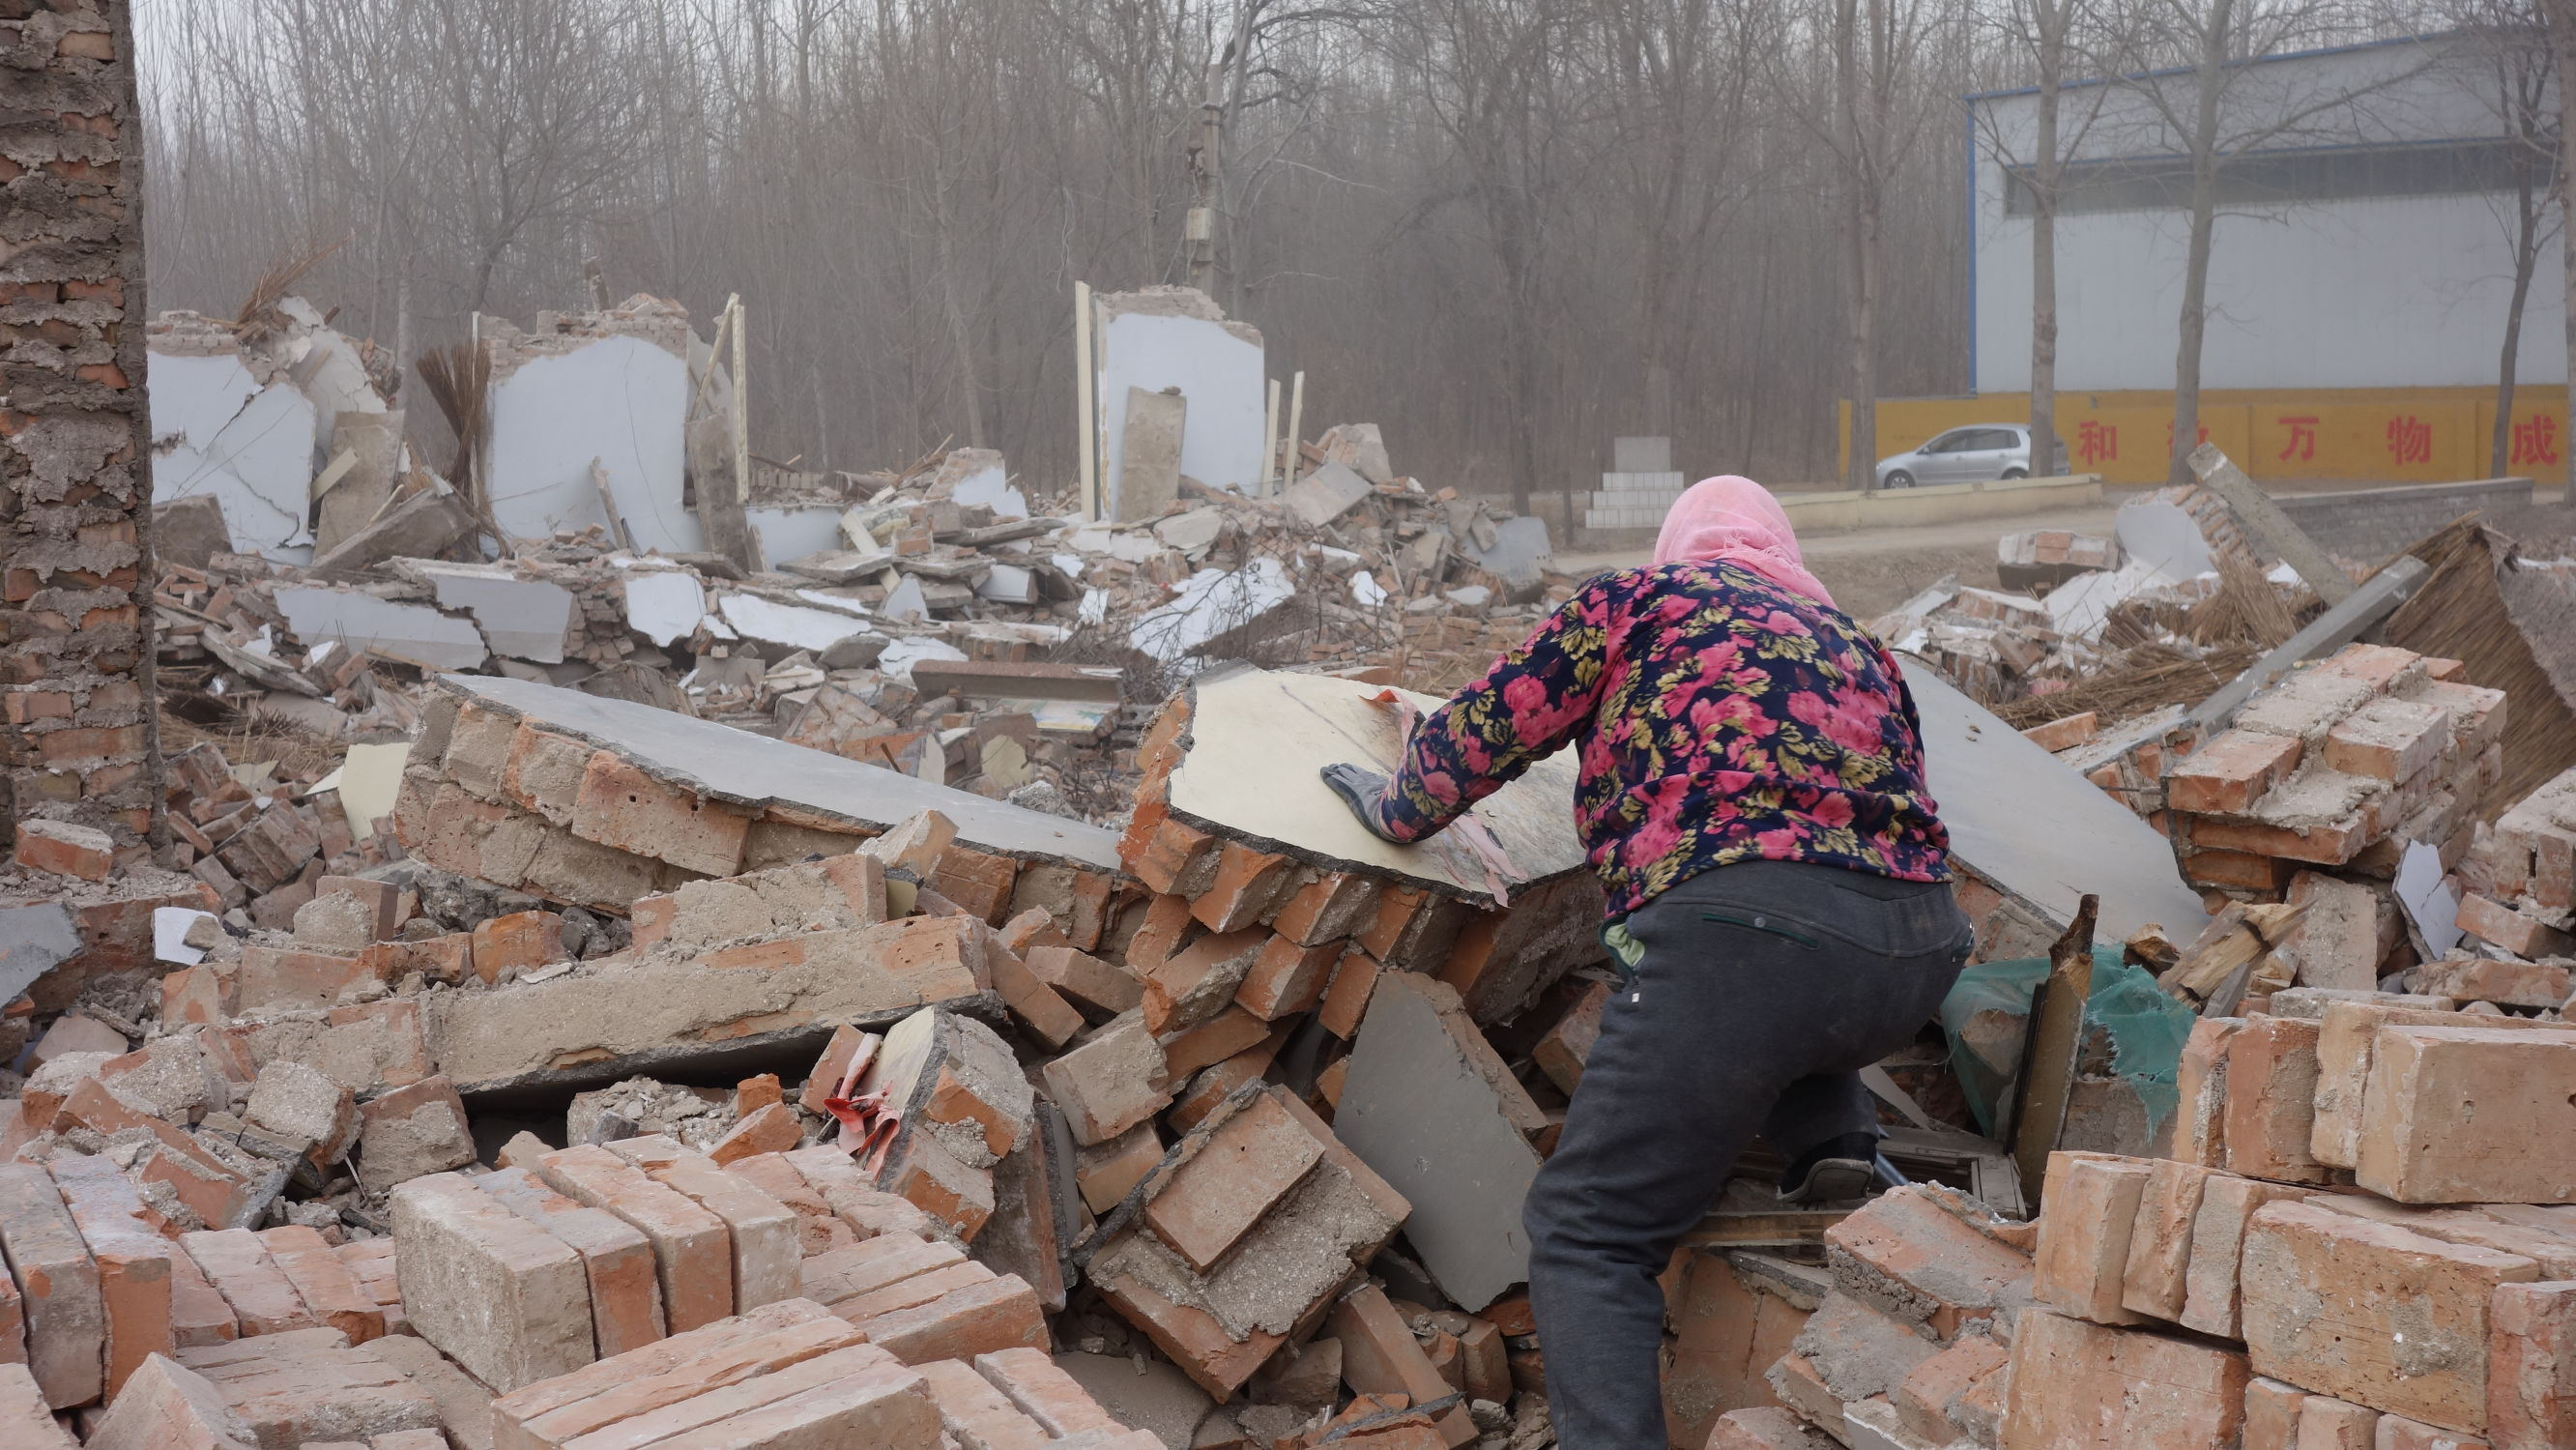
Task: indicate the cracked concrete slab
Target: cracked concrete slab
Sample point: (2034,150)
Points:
(756,772)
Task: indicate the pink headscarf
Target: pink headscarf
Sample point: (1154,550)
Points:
(1737,520)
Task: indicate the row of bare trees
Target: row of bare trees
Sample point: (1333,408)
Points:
(1506,230)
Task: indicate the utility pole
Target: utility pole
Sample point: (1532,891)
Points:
(1207,162)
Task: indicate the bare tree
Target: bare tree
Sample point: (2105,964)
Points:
(1493,228)
(1873,132)
(2215,106)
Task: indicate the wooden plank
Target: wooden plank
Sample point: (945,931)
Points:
(1087,420)
(2057,1039)
(1781,1228)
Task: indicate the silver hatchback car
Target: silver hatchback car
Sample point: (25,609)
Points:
(1973,454)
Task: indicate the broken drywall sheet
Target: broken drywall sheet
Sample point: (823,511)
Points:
(1260,738)
(415,633)
(1430,1119)
(1174,337)
(787,626)
(1210,603)
(619,400)
(2028,822)
(525,619)
(664,605)
(792,532)
(368,780)
(755,771)
(170,926)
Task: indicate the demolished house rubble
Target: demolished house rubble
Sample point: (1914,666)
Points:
(642,958)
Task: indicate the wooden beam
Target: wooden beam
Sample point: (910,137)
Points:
(1086,434)
(2048,1063)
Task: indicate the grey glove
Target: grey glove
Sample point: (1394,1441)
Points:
(1364,791)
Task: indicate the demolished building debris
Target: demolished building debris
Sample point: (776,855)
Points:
(647,956)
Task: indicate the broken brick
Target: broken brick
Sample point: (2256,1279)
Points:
(2085,1223)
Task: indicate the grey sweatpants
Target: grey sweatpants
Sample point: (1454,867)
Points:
(1764,989)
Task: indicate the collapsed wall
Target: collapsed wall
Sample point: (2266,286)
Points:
(75,662)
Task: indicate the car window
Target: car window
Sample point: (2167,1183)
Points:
(1999,438)
(1957,440)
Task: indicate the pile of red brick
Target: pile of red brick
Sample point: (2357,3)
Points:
(2337,769)
(1902,1338)
(2339,1251)
(2391,1260)
(2520,880)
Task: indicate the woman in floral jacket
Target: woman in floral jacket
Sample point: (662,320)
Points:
(1751,793)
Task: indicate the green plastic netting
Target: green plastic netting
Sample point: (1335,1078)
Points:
(2146,1029)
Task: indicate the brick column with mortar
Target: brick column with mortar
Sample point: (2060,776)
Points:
(78,736)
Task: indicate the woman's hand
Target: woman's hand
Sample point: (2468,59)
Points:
(1362,791)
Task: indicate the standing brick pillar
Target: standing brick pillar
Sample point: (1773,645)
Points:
(81,741)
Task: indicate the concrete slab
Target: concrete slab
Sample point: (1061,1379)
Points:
(1259,739)
(1149,454)
(1641,455)
(525,619)
(412,632)
(1520,548)
(1210,603)
(787,626)
(2032,825)
(1326,494)
(755,772)
(33,941)
(1432,1121)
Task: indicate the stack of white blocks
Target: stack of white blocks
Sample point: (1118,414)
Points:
(1641,485)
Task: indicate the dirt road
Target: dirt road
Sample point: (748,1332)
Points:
(1873,570)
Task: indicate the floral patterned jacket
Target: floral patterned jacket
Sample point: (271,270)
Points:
(1721,717)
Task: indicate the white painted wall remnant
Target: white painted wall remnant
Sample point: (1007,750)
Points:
(617,399)
(250,424)
(795,531)
(526,619)
(1209,603)
(979,476)
(1167,337)
(664,604)
(787,626)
